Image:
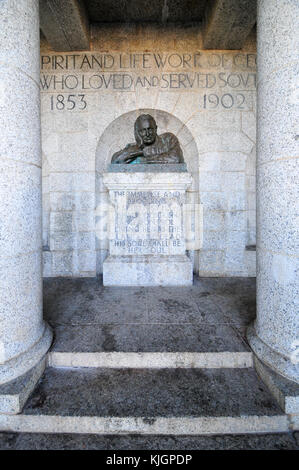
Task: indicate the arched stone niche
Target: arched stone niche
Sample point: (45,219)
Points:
(116,136)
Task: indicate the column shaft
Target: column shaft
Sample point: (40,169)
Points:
(274,337)
(24,337)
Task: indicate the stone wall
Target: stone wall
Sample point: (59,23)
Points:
(89,103)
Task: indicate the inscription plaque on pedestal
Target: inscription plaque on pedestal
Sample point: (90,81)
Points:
(147,229)
(147,185)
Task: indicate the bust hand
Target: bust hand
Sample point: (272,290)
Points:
(128,154)
(132,154)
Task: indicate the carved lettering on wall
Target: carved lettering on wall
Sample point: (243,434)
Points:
(223,80)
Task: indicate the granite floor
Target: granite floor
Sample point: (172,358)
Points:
(212,315)
(27,441)
(156,393)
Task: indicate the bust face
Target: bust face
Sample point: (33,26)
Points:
(147,131)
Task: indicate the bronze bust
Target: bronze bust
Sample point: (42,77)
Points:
(149,146)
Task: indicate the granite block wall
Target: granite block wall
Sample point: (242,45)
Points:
(89,103)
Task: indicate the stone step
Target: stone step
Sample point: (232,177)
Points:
(147,345)
(149,401)
(198,326)
(32,441)
(154,360)
(84,302)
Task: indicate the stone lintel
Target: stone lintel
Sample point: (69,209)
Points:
(65,24)
(228,23)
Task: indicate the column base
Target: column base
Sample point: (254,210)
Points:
(26,361)
(172,270)
(277,363)
(285,391)
(14,394)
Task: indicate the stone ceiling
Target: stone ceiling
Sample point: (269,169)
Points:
(224,24)
(157,11)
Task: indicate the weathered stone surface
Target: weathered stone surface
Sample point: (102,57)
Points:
(281,136)
(206,99)
(279,20)
(210,301)
(277,279)
(20,211)
(20,33)
(65,24)
(274,336)
(24,336)
(240,310)
(20,114)
(149,401)
(271,357)
(26,441)
(27,360)
(148,229)
(228,23)
(159,340)
(151,393)
(200,326)
(155,360)
(285,391)
(149,327)
(157,11)
(143,425)
(14,394)
(65,303)
(147,270)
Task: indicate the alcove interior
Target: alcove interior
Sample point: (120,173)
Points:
(116,136)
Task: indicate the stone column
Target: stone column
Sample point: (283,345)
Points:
(274,335)
(24,337)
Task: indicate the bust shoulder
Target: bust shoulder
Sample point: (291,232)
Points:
(168,136)
(169,139)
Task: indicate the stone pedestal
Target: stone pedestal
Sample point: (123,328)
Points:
(147,227)
(274,335)
(24,337)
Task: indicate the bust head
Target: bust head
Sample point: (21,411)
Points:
(145,129)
